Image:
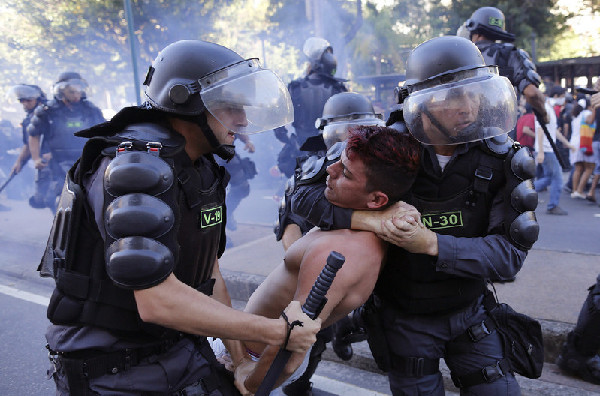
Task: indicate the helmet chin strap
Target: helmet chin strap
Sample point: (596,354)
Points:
(452,139)
(225,151)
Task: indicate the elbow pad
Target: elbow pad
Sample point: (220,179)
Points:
(525,72)
(521,225)
(139,219)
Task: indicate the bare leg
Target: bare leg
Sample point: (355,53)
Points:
(592,192)
(587,172)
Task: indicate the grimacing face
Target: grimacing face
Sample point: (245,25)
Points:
(226,121)
(346,183)
(459,110)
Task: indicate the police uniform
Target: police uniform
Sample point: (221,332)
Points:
(425,302)
(241,170)
(309,95)
(57,123)
(148,211)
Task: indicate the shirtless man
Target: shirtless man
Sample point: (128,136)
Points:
(360,179)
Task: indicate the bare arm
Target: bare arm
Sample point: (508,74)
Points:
(528,131)
(220,293)
(178,306)
(34,149)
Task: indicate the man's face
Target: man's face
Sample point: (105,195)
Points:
(346,183)
(72,93)
(28,103)
(455,113)
(226,121)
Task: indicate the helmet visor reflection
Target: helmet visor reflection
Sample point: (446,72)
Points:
(250,102)
(462,111)
(338,131)
(25,92)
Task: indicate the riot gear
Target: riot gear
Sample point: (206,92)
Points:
(73,82)
(489,22)
(342,111)
(320,55)
(190,77)
(27,91)
(451,96)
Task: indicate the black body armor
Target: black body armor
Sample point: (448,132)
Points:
(162,214)
(458,203)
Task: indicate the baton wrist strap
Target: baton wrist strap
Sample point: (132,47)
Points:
(290,326)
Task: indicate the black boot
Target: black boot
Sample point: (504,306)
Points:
(574,363)
(347,331)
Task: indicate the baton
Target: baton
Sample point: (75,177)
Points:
(10,177)
(312,308)
(588,91)
(554,148)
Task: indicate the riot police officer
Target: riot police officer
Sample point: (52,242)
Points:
(309,95)
(487,29)
(52,143)
(431,294)
(341,111)
(135,242)
(30,96)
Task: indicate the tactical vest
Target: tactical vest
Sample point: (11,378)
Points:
(309,96)
(75,255)
(60,140)
(454,203)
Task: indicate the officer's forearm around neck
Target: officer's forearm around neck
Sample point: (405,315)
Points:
(366,220)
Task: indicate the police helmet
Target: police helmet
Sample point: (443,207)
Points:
(489,22)
(27,92)
(190,77)
(320,55)
(451,96)
(73,81)
(342,111)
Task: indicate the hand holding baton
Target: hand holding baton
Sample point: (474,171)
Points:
(315,302)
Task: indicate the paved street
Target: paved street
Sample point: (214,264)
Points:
(551,286)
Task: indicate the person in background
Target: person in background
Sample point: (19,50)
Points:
(309,95)
(584,125)
(526,129)
(53,146)
(138,284)
(552,171)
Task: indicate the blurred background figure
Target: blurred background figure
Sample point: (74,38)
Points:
(52,144)
(487,29)
(241,171)
(309,95)
(30,96)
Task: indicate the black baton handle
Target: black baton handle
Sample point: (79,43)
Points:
(312,308)
(554,148)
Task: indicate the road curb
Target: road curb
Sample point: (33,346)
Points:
(241,285)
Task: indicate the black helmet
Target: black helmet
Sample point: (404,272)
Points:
(70,79)
(320,55)
(343,110)
(450,96)
(190,77)
(490,22)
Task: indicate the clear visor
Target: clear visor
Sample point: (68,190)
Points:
(246,98)
(338,131)
(479,107)
(24,92)
(73,86)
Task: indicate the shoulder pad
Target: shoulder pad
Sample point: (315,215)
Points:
(137,171)
(40,110)
(522,164)
(523,55)
(500,144)
(138,214)
(148,132)
(312,167)
(138,262)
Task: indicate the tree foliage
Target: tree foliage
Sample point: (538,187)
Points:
(41,38)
